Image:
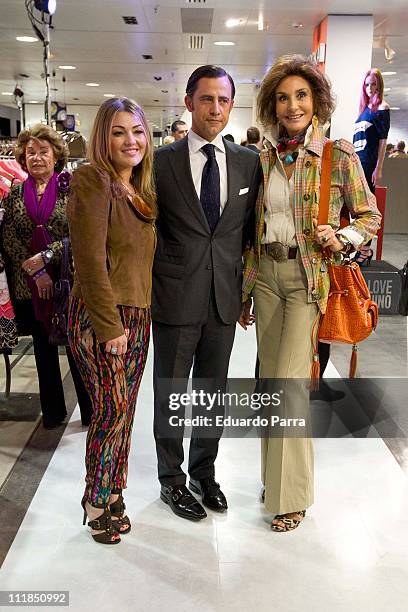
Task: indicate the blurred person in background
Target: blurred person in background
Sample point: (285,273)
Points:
(399,150)
(253,139)
(179,129)
(370,138)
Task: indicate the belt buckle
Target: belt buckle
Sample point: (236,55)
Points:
(278,251)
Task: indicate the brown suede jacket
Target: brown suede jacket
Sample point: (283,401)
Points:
(113,251)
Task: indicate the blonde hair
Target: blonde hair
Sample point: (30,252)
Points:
(42,132)
(294,65)
(99,151)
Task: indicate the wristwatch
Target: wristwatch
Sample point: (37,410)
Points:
(47,255)
(347,245)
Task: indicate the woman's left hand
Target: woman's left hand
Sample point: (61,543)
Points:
(32,265)
(326,236)
(376,177)
(45,286)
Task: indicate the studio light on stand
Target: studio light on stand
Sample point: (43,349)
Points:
(41,25)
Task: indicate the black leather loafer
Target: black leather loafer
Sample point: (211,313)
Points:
(180,500)
(210,492)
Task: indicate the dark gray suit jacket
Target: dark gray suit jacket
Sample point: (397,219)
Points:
(189,259)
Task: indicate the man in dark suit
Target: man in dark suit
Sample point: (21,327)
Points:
(206,189)
(253,139)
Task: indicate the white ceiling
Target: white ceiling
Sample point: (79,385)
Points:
(92,35)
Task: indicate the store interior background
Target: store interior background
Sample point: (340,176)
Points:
(351,551)
(92,36)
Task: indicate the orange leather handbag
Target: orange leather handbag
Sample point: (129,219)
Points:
(351,315)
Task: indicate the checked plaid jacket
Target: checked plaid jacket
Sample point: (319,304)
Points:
(348,187)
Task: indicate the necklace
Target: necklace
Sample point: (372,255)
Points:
(288,158)
(287,147)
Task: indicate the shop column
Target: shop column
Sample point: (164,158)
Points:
(343,47)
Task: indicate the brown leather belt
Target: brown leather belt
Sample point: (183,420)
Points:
(279,251)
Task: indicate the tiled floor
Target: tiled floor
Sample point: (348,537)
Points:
(349,555)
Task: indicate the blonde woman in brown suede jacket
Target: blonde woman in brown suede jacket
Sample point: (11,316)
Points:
(111,214)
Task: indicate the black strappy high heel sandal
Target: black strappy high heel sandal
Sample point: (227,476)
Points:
(117,508)
(104,524)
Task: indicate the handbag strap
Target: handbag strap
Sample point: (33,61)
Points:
(325,183)
(65,259)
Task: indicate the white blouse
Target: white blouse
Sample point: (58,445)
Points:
(279,219)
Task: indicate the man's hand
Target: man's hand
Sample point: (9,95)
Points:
(246,319)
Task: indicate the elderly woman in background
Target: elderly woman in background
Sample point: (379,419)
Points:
(285,270)
(34,225)
(111,211)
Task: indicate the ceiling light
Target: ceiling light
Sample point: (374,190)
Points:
(224,43)
(6,93)
(232,23)
(387,88)
(394,108)
(388,73)
(46,6)
(67,67)
(27,39)
(297,25)
(92,84)
(33,102)
(109,95)
(260,22)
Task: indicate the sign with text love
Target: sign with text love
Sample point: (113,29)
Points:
(384,284)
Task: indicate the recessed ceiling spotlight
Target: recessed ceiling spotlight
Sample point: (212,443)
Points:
(109,95)
(297,24)
(27,39)
(388,73)
(224,43)
(6,93)
(233,23)
(67,67)
(92,84)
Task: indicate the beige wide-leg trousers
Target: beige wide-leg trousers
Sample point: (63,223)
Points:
(284,323)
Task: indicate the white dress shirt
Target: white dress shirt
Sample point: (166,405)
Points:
(198,160)
(279,219)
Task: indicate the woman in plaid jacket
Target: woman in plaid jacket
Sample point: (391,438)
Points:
(284,270)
